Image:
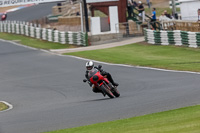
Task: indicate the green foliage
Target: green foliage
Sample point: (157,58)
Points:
(98,13)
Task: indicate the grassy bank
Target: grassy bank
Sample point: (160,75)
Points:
(34,42)
(3,106)
(166,57)
(184,120)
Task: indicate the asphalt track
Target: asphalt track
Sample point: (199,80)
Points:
(32,13)
(47,91)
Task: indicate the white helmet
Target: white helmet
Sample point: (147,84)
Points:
(89,65)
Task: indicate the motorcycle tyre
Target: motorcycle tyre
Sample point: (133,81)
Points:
(107,91)
(115,92)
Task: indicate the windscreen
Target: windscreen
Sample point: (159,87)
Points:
(92,72)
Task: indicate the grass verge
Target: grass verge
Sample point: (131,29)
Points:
(142,54)
(32,42)
(183,120)
(3,106)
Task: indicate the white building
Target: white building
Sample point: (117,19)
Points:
(189,9)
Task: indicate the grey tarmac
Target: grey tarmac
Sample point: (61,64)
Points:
(47,92)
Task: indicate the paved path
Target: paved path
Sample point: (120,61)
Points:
(103,46)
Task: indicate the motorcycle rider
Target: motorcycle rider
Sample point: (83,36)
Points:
(90,66)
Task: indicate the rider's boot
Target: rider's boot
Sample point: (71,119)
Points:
(111,80)
(115,84)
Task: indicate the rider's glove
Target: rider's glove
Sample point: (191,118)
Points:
(90,84)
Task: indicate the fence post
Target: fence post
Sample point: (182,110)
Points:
(22,29)
(32,31)
(49,34)
(38,33)
(79,38)
(44,34)
(56,36)
(192,39)
(177,37)
(17,28)
(150,37)
(164,38)
(62,37)
(70,37)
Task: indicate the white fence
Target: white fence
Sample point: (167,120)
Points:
(27,29)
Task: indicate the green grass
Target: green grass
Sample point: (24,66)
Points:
(158,56)
(183,120)
(98,13)
(3,106)
(28,41)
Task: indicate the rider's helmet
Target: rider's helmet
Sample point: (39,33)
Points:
(89,65)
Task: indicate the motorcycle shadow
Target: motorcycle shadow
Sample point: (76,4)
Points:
(101,99)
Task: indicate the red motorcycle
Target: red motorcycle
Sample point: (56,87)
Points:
(102,83)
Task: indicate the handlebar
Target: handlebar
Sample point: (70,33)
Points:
(85,80)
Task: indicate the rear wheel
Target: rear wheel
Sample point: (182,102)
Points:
(107,91)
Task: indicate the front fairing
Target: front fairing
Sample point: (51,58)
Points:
(92,72)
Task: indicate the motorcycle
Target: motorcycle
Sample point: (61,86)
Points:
(102,83)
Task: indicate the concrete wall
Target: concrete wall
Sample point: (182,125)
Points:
(189,10)
(95,26)
(113,13)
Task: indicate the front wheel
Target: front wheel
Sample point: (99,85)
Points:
(107,91)
(115,92)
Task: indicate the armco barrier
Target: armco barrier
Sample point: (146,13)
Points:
(22,28)
(176,37)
